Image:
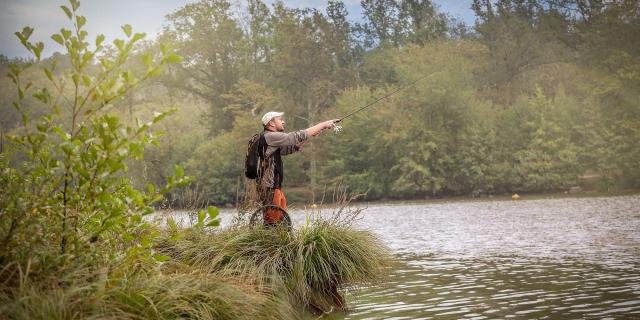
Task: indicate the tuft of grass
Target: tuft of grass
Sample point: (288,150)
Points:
(30,302)
(194,295)
(312,264)
(333,257)
(174,293)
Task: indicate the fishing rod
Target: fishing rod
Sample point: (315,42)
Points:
(386,96)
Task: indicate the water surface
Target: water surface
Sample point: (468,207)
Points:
(571,258)
(575,258)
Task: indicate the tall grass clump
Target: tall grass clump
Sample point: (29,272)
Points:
(184,292)
(313,264)
(195,295)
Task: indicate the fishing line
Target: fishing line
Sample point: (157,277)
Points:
(387,96)
(337,128)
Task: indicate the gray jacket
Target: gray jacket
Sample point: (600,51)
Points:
(286,143)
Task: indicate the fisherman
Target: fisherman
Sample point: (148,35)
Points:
(278,144)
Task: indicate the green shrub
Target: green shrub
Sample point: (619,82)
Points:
(65,194)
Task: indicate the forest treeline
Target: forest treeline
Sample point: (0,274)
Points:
(537,96)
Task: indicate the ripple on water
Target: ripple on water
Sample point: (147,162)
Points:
(562,258)
(498,294)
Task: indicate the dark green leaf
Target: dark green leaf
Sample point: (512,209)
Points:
(57,38)
(99,39)
(37,49)
(127,30)
(75,4)
(213,223)
(27,32)
(67,11)
(80,21)
(66,34)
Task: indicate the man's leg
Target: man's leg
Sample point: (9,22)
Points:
(279,199)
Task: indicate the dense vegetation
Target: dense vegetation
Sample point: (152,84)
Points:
(77,234)
(538,95)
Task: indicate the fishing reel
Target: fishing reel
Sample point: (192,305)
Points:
(336,128)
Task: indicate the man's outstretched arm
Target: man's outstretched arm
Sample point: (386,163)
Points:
(292,141)
(315,130)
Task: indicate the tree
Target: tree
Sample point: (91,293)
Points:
(424,24)
(522,36)
(305,65)
(396,23)
(214,50)
(260,34)
(549,161)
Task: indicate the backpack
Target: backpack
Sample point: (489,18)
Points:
(255,156)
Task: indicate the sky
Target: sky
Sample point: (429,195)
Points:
(147,16)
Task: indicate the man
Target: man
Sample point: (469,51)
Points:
(278,144)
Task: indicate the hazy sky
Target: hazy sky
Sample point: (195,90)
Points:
(147,16)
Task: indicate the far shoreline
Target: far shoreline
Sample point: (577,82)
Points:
(506,197)
(298,205)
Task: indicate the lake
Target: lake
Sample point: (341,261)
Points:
(571,258)
(568,258)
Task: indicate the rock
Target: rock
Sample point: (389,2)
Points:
(574,190)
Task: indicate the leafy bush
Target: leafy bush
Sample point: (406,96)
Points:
(65,195)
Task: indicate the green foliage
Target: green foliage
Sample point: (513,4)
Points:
(480,125)
(549,161)
(207,36)
(522,36)
(396,23)
(218,163)
(67,197)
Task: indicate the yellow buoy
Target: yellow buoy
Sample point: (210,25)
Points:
(515,196)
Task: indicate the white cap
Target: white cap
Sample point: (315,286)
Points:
(270,115)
